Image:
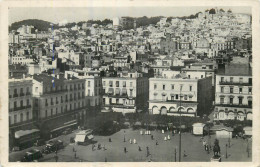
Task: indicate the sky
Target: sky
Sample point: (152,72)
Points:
(73,14)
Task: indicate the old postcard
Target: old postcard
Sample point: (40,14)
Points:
(136,82)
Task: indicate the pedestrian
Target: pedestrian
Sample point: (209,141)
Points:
(236,136)
(165,138)
(105,159)
(110,140)
(74,149)
(152,137)
(147,150)
(130,141)
(75,155)
(139,148)
(104,148)
(169,137)
(134,141)
(125,149)
(184,154)
(156,143)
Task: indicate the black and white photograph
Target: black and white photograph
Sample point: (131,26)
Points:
(130,84)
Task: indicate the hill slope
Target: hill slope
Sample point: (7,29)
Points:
(38,24)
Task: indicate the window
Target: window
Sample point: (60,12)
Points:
(88,83)
(104,83)
(155,86)
(222,79)
(124,83)
(188,76)
(21,117)
(28,102)
(250,90)
(56,111)
(83,86)
(21,103)
(27,90)
(181,87)
(46,113)
(15,104)
(51,101)
(57,100)
(131,84)
(240,80)
(117,101)
(250,103)
(131,92)
(240,100)
(117,83)
(88,92)
(21,91)
(185,97)
(177,96)
(27,116)
(240,90)
(172,87)
(36,89)
(163,87)
(201,76)
(82,94)
(250,80)
(15,118)
(61,99)
(222,89)
(51,112)
(61,109)
(231,100)
(190,88)
(231,90)
(221,100)
(231,79)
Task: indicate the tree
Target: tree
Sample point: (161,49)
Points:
(212,11)
(221,10)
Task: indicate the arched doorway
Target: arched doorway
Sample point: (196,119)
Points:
(163,110)
(155,110)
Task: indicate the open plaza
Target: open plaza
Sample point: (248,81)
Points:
(192,148)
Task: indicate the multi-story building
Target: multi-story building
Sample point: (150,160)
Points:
(234,93)
(20,106)
(20,102)
(175,94)
(127,93)
(58,103)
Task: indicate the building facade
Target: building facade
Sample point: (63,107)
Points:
(234,94)
(176,94)
(127,93)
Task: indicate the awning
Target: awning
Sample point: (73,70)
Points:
(80,138)
(110,91)
(117,91)
(65,126)
(22,133)
(124,91)
(90,137)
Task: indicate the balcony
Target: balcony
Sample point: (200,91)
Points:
(234,105)
(55,91)
(19,108)
(22,94)
(28,93)
(15,95)
(234,83)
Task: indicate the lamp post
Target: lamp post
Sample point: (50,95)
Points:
(226,151)
(180,126)
(175,155)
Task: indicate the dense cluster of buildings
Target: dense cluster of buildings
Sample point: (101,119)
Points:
(188,67)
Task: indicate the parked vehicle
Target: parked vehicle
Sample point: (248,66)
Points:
(32,155)
(53,146)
